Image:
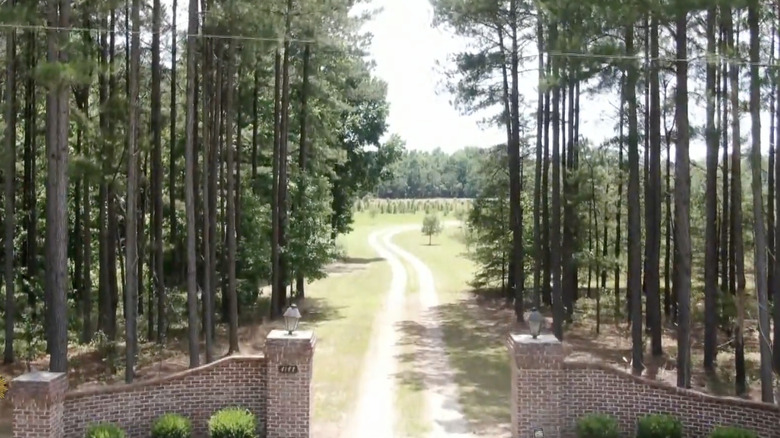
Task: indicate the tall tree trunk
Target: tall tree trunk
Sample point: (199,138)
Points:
(57,116)
(303,151)
(546,284)
(189,187)
(725,240)
(653,204)
(736,211)
(555,234)
(634,280)
(104,291)
(759,230)
(538,246)
(207,289)
(214,162)
(515,206)
(87,328)
(158,273)
(131,237)
(172,177)
(711,202)
(30,198)
(619,208)
(10,191)
(775,286)
(682,200)
(277,293)
(255,120)
(231,206)
(510,287)
(82,226)
(283,142)
(112,233)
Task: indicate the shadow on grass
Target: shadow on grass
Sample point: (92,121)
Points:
(478,361)
(361,260)
(317,310)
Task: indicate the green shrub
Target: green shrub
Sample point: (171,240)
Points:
(732,432)
(659,426)
(172,426)
(104,430)
(597,426)
(232,423)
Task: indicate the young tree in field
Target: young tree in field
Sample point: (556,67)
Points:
(431,226)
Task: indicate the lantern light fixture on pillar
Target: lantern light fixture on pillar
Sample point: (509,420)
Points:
(291,317)
(535,320)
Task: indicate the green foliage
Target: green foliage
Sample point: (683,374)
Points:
(253,260)
(172,426)
(431,225)
(233,423)
(310,246)
(659,426)
(732,432)
(104,430)
(433,174)
(597,426)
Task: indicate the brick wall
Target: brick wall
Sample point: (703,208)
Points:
(196,394)
(551,391)
(600,388)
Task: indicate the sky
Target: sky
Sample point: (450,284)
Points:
(406,49)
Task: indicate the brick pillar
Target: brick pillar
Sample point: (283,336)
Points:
(538,385)
(290,395)
(38,405)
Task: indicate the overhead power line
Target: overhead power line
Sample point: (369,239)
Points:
(641,58)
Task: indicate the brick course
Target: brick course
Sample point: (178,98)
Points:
(281,402)
(546,385)
(196,394)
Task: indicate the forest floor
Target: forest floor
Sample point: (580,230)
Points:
(456,326)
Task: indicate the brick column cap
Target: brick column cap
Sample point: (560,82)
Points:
(41,385)
(283,346)
(528,339)
(298,335)
(544,352)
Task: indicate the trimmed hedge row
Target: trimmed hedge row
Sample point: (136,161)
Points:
(231,422)
(650,426)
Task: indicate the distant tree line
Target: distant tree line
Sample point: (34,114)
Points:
(436,174)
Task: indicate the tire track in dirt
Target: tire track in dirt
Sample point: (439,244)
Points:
(374,414)
(441,391)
